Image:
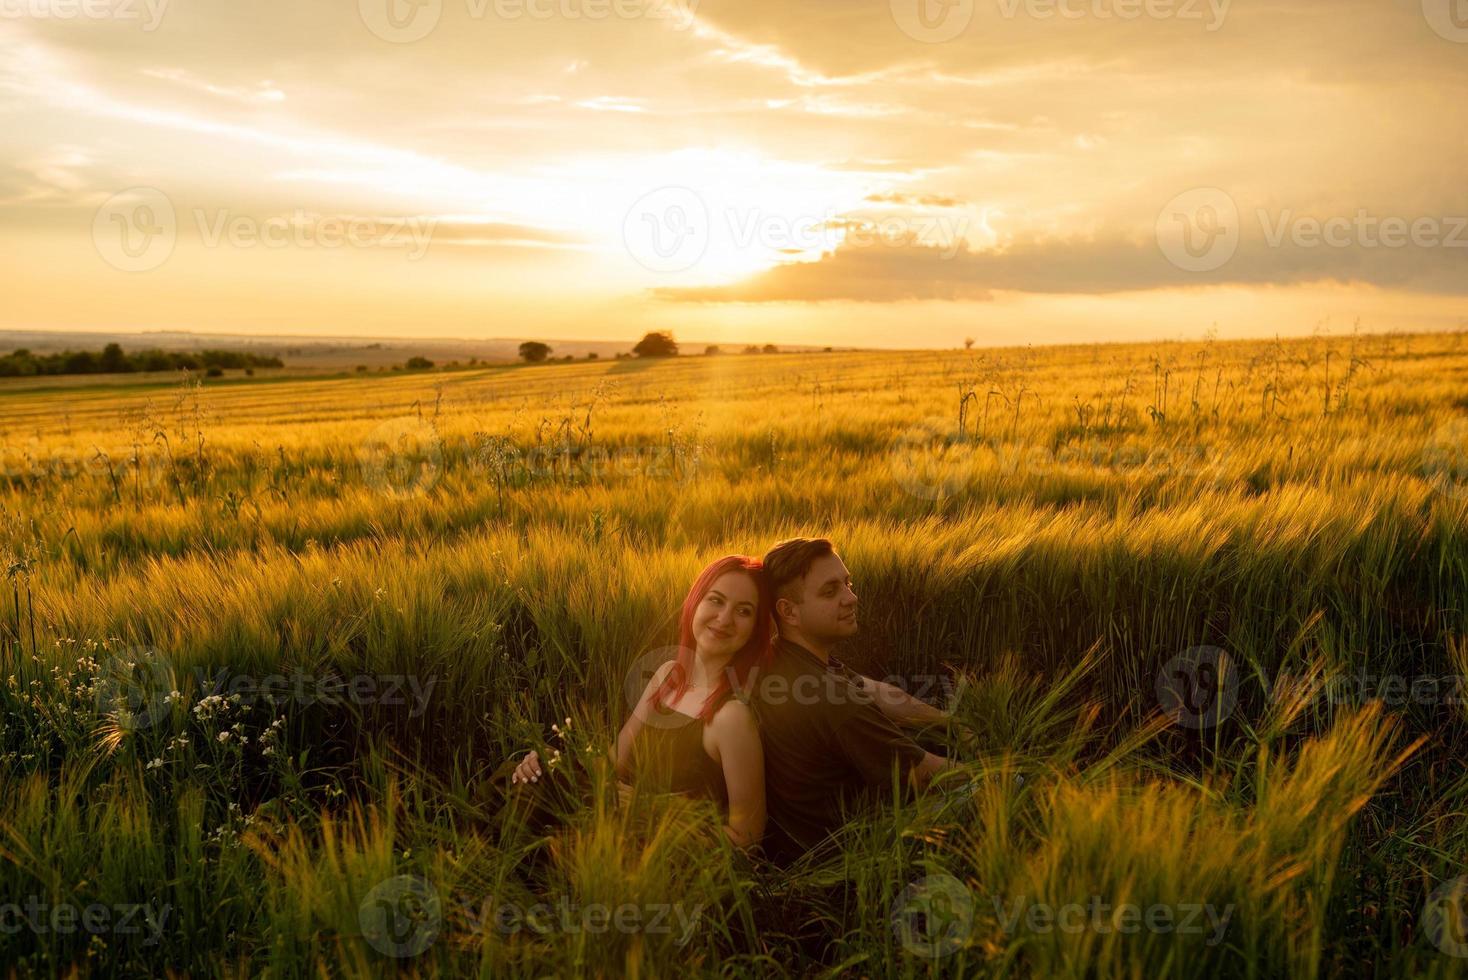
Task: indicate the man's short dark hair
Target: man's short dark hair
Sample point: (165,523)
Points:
(787,563)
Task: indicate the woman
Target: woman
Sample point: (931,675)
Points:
(688,733)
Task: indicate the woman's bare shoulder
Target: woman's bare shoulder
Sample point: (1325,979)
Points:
(734,719)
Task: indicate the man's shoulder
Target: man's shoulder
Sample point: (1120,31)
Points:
(796,686)
(790,658)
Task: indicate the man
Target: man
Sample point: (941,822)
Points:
(830,735)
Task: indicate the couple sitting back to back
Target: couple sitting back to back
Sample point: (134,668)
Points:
(756,714)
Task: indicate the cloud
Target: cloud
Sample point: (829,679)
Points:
(916,200)
(264,91)
(884,272)
(480,234)
(1350,42)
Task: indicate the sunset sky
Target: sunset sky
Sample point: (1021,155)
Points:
(903,173)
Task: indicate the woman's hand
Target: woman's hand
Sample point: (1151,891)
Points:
(528,771)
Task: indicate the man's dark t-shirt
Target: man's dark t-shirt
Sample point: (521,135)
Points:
(826,745)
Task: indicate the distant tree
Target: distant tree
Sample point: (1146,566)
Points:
(592,356)
(712,349)
(968,343)
(751,349)
(113,360)
(361,368)
(656,345)
(79,362)
(152,360)
(534,352)
(419,364)
(568,357)
(215,372)
(828,350)
(771,349)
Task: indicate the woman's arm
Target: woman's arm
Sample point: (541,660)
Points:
(636,720)
(742,757)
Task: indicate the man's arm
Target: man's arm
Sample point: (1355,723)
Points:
(910,712)
(920,775)
(873,744)
(901,707)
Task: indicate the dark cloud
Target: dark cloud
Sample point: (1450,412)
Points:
(887,273)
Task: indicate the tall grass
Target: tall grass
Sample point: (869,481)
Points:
(1040,532)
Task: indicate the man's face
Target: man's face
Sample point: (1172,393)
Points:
(827,607)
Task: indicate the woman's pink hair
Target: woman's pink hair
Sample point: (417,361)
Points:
(754,654)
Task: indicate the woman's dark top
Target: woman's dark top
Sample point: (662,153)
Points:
(668,755)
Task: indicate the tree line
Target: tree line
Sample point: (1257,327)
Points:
(659,344)
(112,359)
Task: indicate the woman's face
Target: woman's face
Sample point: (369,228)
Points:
(724,618)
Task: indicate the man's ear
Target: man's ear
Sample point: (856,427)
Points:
(785,612)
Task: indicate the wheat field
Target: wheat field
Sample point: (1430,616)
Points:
(266,640)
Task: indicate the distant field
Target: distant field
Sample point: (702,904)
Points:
(1052,534)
